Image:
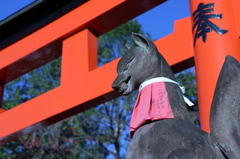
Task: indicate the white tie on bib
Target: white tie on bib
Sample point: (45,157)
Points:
(164,79)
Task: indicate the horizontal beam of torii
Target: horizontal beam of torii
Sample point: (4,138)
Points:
(83,84)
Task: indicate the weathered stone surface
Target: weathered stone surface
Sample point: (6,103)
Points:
(178,137)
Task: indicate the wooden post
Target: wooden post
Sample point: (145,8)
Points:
(214,37)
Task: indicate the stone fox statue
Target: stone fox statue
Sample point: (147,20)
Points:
(160,125)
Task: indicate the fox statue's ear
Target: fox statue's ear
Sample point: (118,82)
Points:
(128,46)
(143,41)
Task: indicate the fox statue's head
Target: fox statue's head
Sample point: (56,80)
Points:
(140,64)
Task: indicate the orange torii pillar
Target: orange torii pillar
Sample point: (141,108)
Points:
(214,36)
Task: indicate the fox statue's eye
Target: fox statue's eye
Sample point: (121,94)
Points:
(127,65)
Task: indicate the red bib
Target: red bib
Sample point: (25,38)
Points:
(152,104)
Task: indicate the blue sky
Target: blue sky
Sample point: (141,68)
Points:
(158,21)
(7,7)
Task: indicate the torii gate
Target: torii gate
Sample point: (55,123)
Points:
(75,39)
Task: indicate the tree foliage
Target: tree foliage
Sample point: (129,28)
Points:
(32,84)
(97,133)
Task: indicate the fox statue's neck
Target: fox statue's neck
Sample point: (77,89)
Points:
(160,68)
(175,95)
(165,69)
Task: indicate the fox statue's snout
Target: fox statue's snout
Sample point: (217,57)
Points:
(121,84)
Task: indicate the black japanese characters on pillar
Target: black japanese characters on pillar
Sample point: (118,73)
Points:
(201,20)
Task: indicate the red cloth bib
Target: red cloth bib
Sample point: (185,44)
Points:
(152,104)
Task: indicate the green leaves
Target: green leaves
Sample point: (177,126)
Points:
(97,133)
(32,84)
(93,134)
(187,79)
